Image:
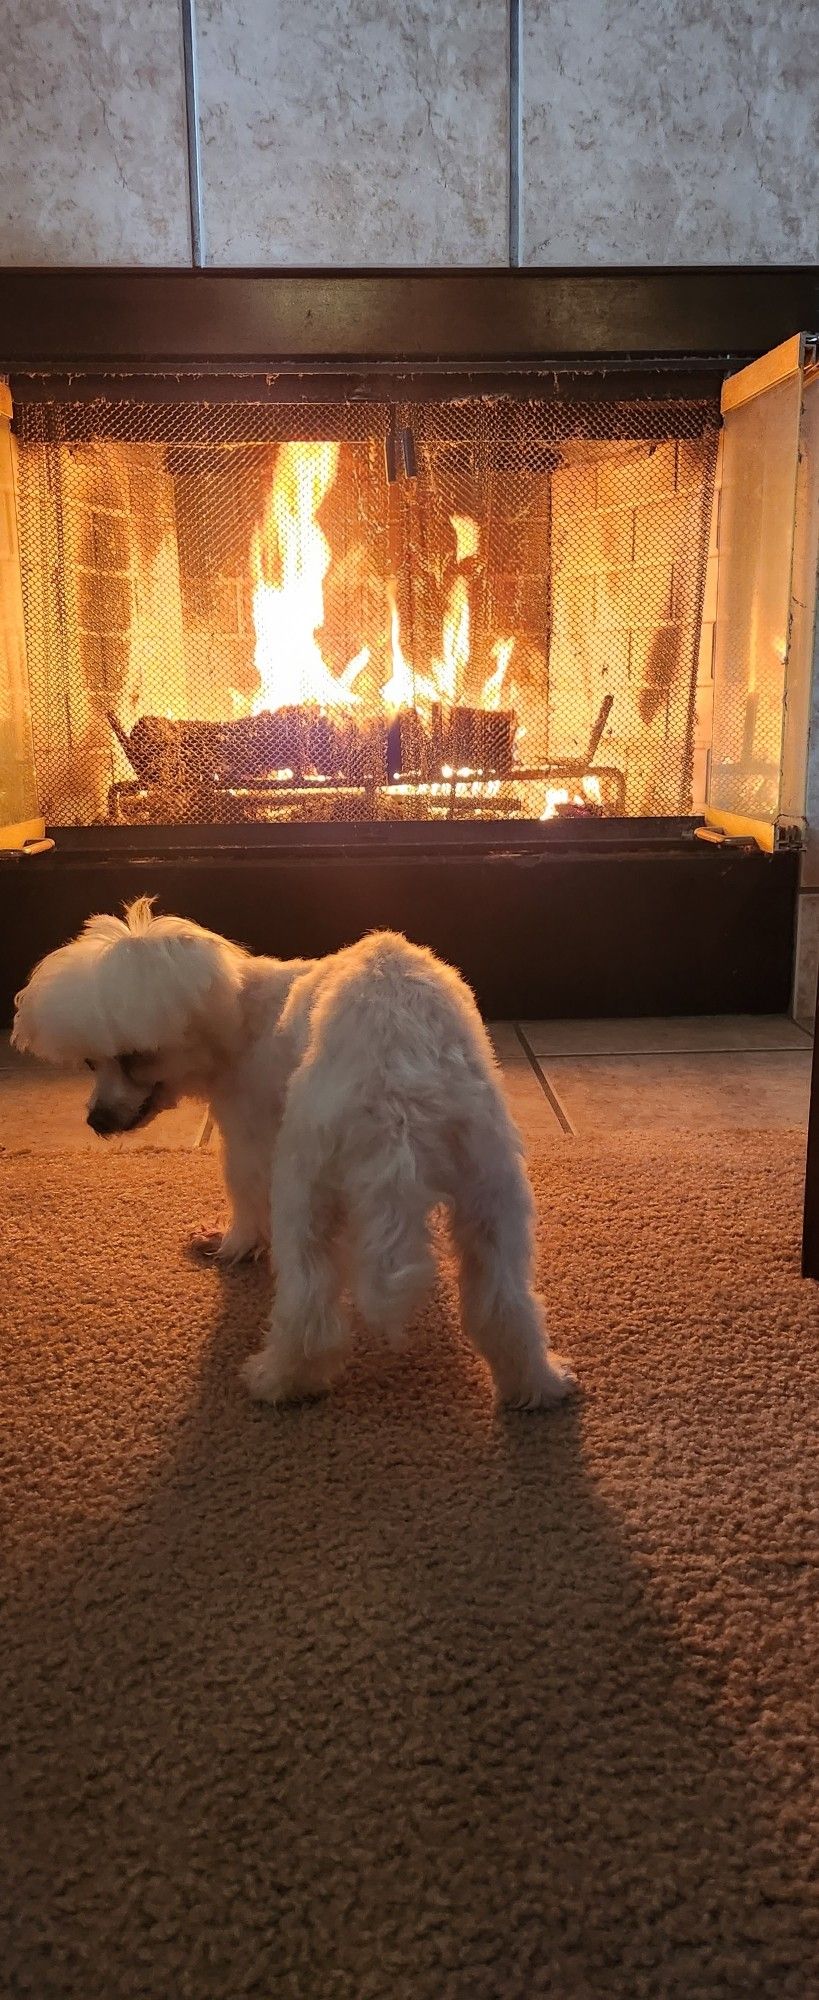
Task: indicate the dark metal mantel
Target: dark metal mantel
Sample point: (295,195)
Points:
(505,319)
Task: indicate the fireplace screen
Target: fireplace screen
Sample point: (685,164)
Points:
(484,608)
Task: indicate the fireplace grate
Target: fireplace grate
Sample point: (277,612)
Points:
(482,608)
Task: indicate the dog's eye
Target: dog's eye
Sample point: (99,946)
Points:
(131,1060)
(89,1064)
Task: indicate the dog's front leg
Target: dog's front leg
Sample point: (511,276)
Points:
(247,1176)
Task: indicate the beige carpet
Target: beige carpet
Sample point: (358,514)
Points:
(384,1699)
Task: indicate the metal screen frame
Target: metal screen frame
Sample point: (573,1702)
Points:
(569,436)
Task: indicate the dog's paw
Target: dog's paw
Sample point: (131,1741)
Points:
(270,1378)
(552,1384)
(219,1246)
(205,1243)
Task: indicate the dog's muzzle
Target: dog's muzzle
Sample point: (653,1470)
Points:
(105,1122)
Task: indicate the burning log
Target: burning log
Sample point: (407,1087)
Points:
(480,739)
(577,809)
(304,744)
(407,744)
(301,742)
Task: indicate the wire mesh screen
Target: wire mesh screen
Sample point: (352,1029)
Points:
(479,608)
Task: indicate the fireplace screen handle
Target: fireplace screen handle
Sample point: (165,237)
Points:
(408,449)
(402,440)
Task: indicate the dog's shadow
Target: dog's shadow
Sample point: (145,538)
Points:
(373,1697)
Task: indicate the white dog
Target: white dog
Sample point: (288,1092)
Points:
(353,1094)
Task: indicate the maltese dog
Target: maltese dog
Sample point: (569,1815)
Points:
(354,1095)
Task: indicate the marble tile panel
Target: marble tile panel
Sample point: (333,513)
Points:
(669,131)
(354,132)
(93,151)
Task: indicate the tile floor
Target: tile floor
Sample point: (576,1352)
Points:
(562,1078)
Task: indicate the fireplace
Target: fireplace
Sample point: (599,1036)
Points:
(423,641)
(483,608)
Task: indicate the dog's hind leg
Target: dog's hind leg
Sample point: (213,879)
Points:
(492,1226)
(308,1337)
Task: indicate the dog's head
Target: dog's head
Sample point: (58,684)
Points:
(150,1004)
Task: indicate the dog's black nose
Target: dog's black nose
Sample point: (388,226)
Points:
(101,1121)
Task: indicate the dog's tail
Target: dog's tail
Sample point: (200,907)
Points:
(370,1191)
(392,1265)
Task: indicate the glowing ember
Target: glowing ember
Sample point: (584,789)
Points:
(555,796)
(588,794)
(290,556)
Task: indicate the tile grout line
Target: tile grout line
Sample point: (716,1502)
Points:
(652,1055)
(191,89)
(515,134)
(550,1095)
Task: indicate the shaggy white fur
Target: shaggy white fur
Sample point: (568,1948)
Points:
(354,1095)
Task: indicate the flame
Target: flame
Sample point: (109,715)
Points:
(290,556)
(354,667)
(405,688)
(493,685)
(555,796)
(449,671)
(398,692)
(588,794)
(467,536)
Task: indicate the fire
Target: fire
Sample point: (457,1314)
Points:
(405,688)
(467,536)
(450,670)
(290,556)
(398,691)
(493,685)
(588,794)
(455,642)
(555,796)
